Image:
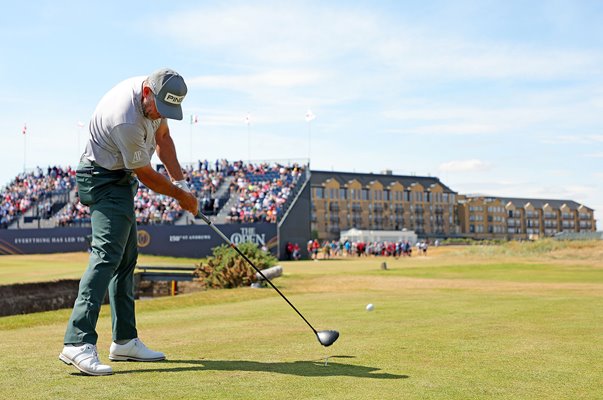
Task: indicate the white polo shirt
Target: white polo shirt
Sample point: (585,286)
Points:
(120,136)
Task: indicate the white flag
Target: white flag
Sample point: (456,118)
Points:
(80,124)
(248,119)
(310,115)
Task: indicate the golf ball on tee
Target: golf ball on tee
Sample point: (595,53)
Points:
(370,307)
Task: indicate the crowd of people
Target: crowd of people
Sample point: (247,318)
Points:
(347,248)
(33,188)
(262,191)
(204,182)
(154,208)
(73,214)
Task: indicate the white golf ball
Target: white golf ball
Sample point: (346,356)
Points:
(370,307)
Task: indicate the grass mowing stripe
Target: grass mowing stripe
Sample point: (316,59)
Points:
(512,272)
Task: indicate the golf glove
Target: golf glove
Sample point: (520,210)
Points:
(182,185)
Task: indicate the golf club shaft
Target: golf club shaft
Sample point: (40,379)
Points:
(231,244)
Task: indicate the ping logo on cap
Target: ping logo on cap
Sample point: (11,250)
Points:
(173,99)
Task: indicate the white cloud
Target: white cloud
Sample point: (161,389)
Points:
(448,129)
(560,173)
(473,165)
(272,32)
(269,35)
(295,56)
(470,60)
(488,119)
(254,82)
(574,139)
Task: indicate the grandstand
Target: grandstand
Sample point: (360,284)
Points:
(35,195)
(263,192)
(252,192)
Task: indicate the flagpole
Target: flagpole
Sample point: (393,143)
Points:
(248,121)
(309,117)
(24,147)
(309,139)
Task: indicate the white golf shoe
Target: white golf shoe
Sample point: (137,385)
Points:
(134,350)
(85,358)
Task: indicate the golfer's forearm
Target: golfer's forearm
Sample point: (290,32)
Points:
(166,151)
(158,183)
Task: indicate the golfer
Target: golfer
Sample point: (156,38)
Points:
(127,127)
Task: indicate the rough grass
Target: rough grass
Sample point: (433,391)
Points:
(459,323)
(549,248)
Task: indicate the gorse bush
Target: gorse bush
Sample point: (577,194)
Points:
(227,269)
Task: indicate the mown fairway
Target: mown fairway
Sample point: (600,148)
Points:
(49,267)
(518,321)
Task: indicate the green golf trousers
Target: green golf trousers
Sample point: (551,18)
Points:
(110,195)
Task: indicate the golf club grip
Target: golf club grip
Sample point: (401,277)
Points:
(231,244)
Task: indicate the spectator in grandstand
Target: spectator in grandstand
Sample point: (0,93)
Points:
(127,127)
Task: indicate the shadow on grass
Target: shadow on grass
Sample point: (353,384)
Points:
(299,368)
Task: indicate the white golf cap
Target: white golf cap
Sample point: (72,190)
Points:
(169,90)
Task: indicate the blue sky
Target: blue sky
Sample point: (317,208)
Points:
(494,97)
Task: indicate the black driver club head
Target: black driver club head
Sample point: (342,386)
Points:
(327,338)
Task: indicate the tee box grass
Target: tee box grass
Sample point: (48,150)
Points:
(516,321)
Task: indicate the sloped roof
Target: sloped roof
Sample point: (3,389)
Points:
(319,177)
(540,203)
